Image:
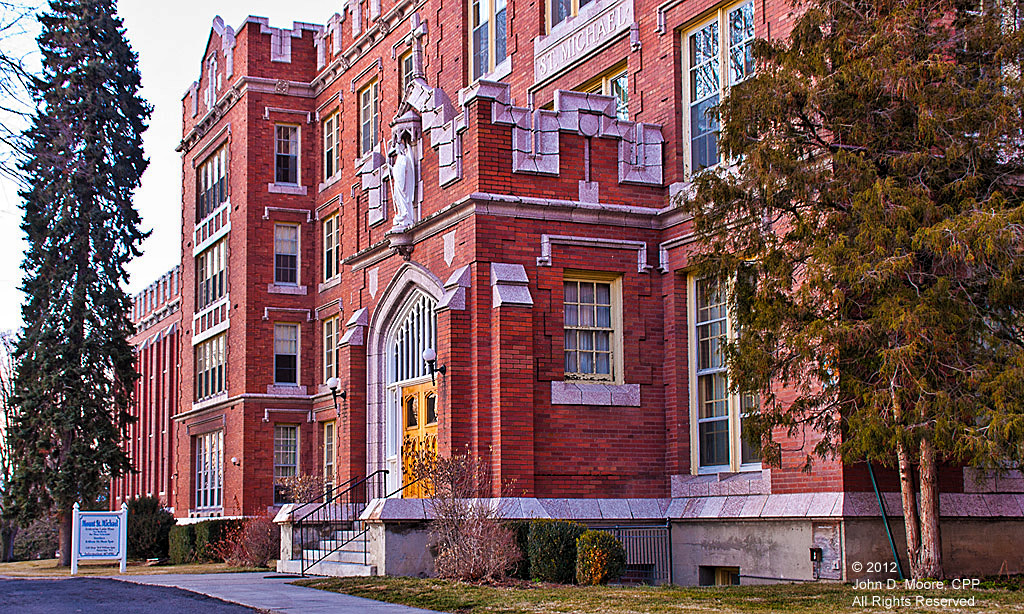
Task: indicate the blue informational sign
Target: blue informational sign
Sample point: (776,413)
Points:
(99,535)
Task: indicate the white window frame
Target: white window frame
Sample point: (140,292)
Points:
(212,182)
(298,254)
(330,354)
(279,341)
(369,111)
(211,355)
(209,471)
(295,142)
(332,239)
(614,281)
(286,459)
(733,412)
(495,10)
(404,73)
(211,269)
(330,435)
(719,16)
(332,145)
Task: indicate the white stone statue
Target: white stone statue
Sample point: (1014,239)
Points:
(402,163)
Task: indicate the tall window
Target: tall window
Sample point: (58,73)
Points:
(286,254)
(286,158)
(560,10)
(331,253)
(210,274)
(332,145)
(286,458)
(328,456)
(613,83)
(286,353)
(404,72)
(719,415)
(592,322)
(209,462)
(211,183)
(368,118)
(488,35)
(330,347)
(706,52)
(211,367)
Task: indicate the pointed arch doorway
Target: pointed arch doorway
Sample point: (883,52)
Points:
(412,401)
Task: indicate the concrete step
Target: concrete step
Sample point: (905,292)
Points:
(328,568)
(340,556)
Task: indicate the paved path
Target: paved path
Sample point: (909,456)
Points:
(104,596)
(270,591)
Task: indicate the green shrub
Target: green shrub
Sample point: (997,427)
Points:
(38,540)
(148,527)
(182,543)
(552,550)
(209,533)
(521,531)
(600,558)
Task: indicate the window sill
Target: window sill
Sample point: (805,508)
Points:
(330,181)
(293,390)
(284,188)
(283,289)
(330,283)
(209,401)
(585,393)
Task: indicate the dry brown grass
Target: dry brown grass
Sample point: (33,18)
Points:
(47,568)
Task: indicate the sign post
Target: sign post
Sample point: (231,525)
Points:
(99,535)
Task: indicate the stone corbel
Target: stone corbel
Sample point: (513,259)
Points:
(640,154)
(355,328)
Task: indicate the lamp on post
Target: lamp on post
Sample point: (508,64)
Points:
(334,383)
(430,357)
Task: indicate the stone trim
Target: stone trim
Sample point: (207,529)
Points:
(267,310)
(281,188)
(269,410)
(509,285)
(355,328)
(455,290)
(547,241)
(281,289)
(287,390)
(628,510)
(581,393)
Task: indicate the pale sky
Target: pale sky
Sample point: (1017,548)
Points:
(169,38)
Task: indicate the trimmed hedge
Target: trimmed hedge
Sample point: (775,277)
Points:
(600,558)
(521,530)
(149,525)
(552,550)
(182,543)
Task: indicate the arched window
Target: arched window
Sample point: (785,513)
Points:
(416,332)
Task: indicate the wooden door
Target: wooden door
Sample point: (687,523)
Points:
(419,434)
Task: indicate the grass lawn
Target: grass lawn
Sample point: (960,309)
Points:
(549,599)
(47,568)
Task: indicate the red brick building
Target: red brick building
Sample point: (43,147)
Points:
(492,180)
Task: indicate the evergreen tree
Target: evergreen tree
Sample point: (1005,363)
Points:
(76,369)
(870,214)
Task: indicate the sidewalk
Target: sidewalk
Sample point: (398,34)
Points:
(269,591)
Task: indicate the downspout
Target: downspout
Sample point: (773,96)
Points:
(885,518)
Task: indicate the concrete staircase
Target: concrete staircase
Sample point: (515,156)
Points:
(346,561)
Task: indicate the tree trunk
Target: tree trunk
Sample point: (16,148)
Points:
(64,538)
(909,497)
(8,531)
(930,562)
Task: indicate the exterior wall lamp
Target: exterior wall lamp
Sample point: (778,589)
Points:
(430,357)
(334,383)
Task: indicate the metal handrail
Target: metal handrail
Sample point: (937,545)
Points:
(338,515)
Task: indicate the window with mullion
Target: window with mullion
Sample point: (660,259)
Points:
(286,458)
(286,159)
(729,39)
(488,35)
(332,145)
(286,254)
(286,353)
(328,456)
(368,109)
(210,275)
(331,255)
(560,10)
(588,329)
(211,183)
(330,346)
(209,461)
(712,381)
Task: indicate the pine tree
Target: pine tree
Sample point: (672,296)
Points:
(76,368)
(870,213)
